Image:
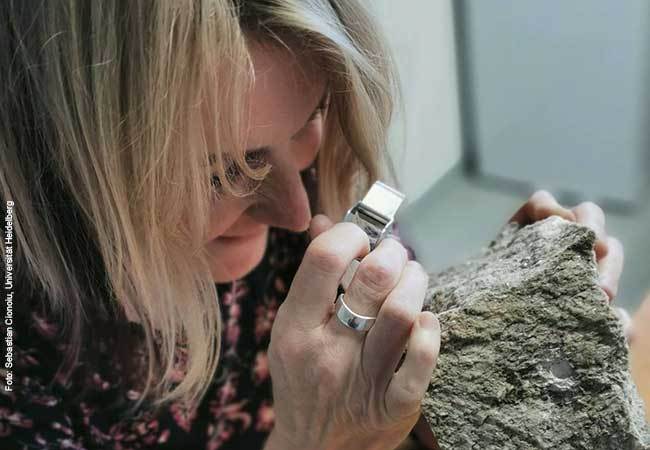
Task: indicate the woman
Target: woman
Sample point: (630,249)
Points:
(153,149)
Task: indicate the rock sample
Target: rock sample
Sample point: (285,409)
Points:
(532,355)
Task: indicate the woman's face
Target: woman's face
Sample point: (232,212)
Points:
(286,122)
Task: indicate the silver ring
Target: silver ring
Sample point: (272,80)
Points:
(351,319)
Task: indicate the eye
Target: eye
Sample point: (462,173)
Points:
(321,108)
(319,112)
(255,160)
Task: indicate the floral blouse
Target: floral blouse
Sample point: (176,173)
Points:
(236,412)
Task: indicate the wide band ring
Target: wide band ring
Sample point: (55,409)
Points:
(351,319)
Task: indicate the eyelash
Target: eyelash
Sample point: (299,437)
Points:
(257,158)
(253,159)
(320,109)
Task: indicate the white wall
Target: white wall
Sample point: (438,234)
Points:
(426,142)
(561,103)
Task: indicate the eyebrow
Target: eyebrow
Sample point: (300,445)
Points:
(267,148)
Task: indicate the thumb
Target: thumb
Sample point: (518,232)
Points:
(319,223)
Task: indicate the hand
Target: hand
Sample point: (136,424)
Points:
(609,256)
(337,388)
(609,250)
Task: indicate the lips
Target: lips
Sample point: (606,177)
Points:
(244,235)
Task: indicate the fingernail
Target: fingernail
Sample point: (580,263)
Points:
(601,248)
(429,321)
(602,279)
(605,285)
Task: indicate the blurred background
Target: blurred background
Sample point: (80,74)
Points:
(504,97)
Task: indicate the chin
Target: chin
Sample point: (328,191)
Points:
(232,259)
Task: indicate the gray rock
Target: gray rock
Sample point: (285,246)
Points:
(532,355)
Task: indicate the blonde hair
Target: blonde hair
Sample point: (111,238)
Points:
(101,106)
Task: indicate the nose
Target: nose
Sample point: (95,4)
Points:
(282,200)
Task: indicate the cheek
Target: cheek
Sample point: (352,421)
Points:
(223,215)
(305,147)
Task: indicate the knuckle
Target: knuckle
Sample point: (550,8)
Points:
(286,348)
(377,275)
(426,356)
(592,209)
(407,401)
(398,313)
(411,392)
(589,205)
(398,247)
(540,195)
(417,268)
(324,258)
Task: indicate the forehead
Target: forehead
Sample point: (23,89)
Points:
(287,88)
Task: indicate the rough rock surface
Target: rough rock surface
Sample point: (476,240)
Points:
(532,356)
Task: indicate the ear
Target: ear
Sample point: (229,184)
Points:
(319,223)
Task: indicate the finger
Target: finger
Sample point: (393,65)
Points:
(315,284)
(348,276)
(592,215)
(387,338)
(424,435)
(377,275)
(610,267)
(540,206)
(626,322)
(319,223)
(410,382)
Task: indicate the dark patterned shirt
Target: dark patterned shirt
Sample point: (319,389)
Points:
(236,412)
